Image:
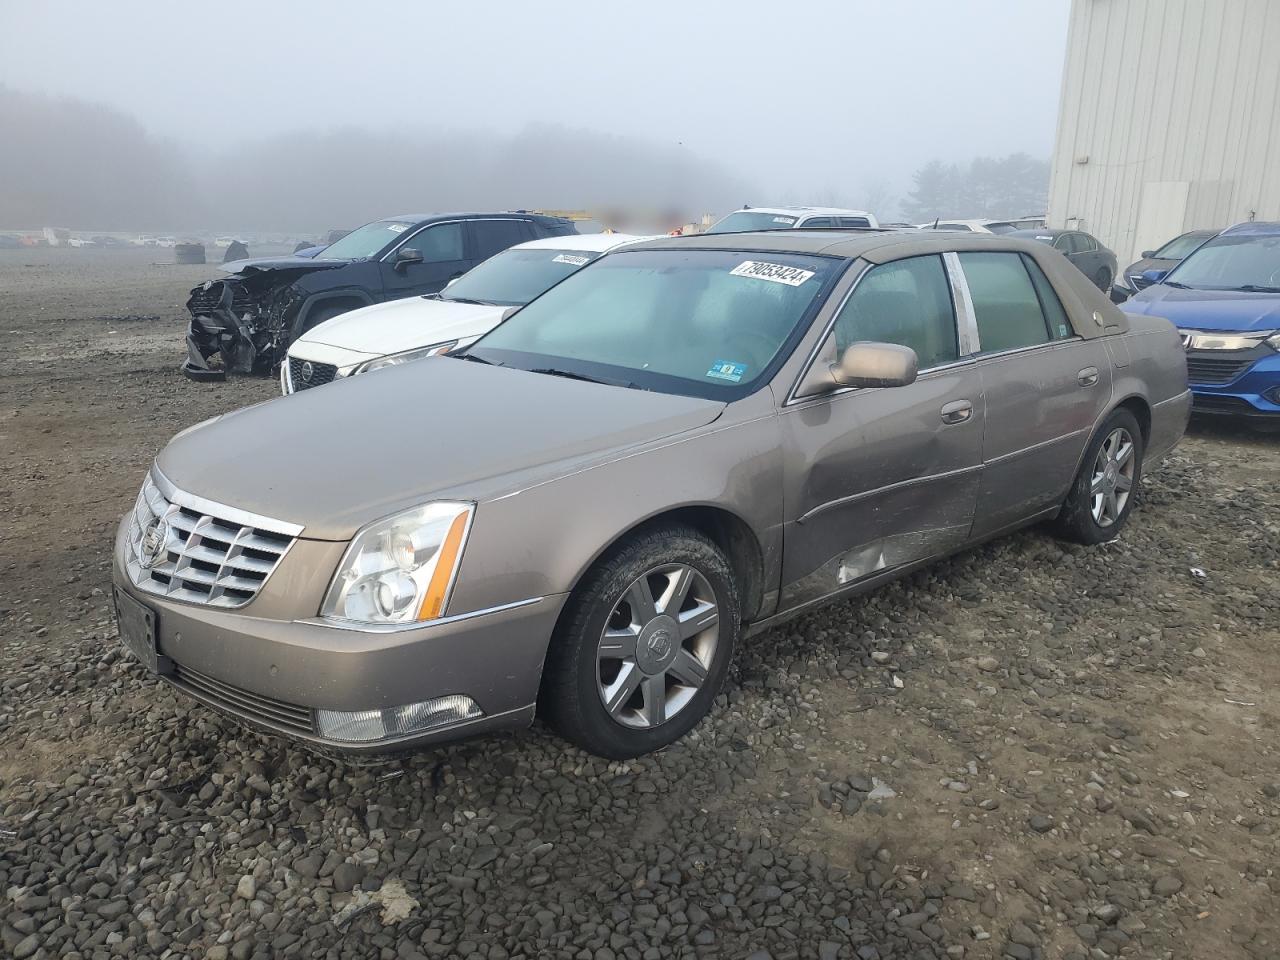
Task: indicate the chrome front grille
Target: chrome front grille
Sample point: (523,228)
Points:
(180,550)
(320,373)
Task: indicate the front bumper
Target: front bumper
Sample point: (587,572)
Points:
(275,673)
(1245,390)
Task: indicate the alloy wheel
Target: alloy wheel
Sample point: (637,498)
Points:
(657,646)
(1112,482)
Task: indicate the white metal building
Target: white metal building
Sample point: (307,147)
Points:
(1169,120)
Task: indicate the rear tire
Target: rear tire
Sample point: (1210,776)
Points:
(1103,492)
(643,644)
(1103,280)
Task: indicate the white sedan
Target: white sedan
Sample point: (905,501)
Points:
(398,331)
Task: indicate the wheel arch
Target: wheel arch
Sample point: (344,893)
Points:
(318,301)
(726,529)
(1141,411)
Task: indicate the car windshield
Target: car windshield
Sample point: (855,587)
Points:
(514,277)
(745,220)
(1179,247)
(1232,263)
(706,323)
(366,241)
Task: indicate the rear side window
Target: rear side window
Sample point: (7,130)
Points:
(494,236)
(907,302)
(1054,313)
(853,222)
(818,222)
(1005,303)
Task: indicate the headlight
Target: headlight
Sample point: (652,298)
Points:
(401,569)
(395,359)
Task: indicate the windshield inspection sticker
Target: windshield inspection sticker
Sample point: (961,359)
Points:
(397,227)
(787,220)
(570,258)
(727,370)
(774,272)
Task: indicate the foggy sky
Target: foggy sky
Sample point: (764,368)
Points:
(805,101)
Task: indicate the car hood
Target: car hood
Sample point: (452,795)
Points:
(265,265)
(1208,309)
(403,324)
(336,458)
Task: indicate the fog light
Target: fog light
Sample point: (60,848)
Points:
(366,726)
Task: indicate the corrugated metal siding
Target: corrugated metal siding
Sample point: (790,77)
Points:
(1158,91)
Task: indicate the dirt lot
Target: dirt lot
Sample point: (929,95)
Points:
(1029,751)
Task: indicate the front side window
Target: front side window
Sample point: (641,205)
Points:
(514,277)
(707,323)
(367,241)
(441,243)
(1005,304)
(494,236)
(907,302)
(1246,263)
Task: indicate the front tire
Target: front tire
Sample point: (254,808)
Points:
(1103,492)
(643,645)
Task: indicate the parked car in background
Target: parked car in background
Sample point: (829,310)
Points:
(387,334)
(1130,280)
(1224,298)
(246,322)
(1090,257)
(166,241)
(81,242)
(794,218)
(144,240)
(983,225)
(583,512)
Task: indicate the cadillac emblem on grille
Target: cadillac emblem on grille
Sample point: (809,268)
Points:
(308,371)
(153,546)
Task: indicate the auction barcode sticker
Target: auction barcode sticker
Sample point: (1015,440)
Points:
(570,258)
(775,272)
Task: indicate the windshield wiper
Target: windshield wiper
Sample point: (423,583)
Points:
(569,375)
(474,359)
(1175,283)
(1257,288)
(479,303)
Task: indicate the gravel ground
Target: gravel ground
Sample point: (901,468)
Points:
(1031,750)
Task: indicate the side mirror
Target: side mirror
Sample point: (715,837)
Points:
(506,313)
(875,365)
(1147,254)
(1154,276)
(406,256)
(452,281)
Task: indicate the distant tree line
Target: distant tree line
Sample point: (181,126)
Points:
(1012,186)
(67,163)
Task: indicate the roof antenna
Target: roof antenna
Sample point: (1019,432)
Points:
(935,223)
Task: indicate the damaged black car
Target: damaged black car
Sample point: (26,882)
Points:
(245,322)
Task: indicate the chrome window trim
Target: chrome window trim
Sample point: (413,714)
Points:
(355,626)
(963,360)
(966,319)
(221,510)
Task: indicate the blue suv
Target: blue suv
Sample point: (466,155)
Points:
(1225,301)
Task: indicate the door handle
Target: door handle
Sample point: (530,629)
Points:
(957,411)
(1088,376)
